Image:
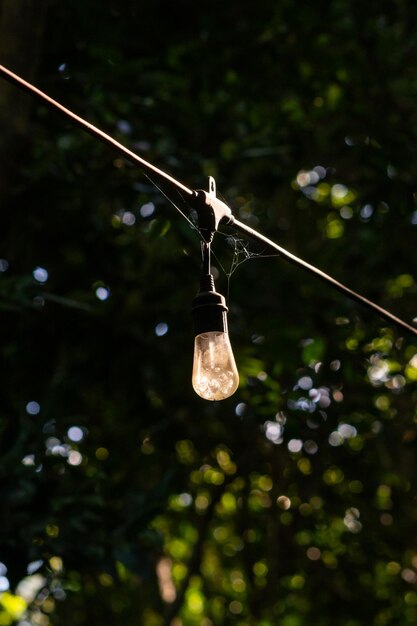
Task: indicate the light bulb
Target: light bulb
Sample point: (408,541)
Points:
(215,375)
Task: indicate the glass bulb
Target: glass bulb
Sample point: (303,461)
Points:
(215,375)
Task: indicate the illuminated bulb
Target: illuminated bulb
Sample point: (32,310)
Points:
(215,375)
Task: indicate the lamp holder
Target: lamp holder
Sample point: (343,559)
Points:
(209,309)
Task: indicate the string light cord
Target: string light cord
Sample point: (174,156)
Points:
(329,280)
(211,211)
(93,130)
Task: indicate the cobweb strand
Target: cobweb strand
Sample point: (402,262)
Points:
(240,246)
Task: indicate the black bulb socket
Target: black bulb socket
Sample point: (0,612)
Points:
(209,309)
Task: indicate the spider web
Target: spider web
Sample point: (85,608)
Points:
(241,249)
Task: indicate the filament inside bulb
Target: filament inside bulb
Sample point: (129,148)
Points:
(215,375)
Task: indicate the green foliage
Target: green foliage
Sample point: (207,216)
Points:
(126,498)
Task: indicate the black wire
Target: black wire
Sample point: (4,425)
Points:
(329,280)
(93,130)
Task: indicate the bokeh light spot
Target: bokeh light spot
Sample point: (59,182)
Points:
(28,460)
(235,607)
(124,127)
(75,433)
(284,502)
(33,408)
(102,454)
(305,382)
(148,209)
(102,293)
(161,329)
(273,431)
(75,458)
(40,274)
(295,445)
(34,566)
(128,218)
(311,446)
(313,553)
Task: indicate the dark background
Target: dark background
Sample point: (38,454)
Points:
(130,499)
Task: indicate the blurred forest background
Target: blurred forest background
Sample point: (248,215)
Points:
(125,498)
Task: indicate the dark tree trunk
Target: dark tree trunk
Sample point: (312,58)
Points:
(21,29)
